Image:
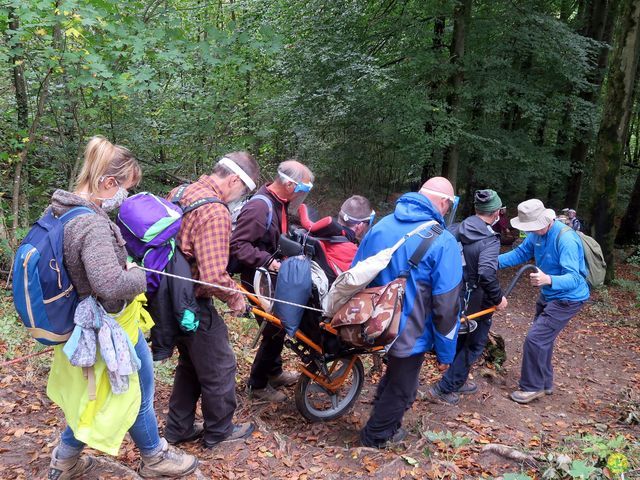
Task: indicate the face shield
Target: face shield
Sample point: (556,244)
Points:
(450,217)
(249,184)
(353,220)
(454,200)
(300,192)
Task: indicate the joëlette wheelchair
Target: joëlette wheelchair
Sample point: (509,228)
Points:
(332,373)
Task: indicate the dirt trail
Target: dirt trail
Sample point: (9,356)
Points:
(596,360)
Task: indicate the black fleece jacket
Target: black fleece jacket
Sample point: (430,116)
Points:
(481,247)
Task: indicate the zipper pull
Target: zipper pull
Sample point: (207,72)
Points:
(53,265)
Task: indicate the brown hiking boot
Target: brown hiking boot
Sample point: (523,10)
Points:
(268,394)
(69,468)
(285,379)
(525,397)
(170,462)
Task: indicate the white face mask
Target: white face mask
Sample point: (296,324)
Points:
(495,221)
(110,204)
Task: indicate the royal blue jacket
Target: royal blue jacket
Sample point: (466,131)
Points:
(561,258)
(430,314)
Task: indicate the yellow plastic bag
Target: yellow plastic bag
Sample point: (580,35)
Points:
(101,423)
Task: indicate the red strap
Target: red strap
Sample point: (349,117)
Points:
(283,221)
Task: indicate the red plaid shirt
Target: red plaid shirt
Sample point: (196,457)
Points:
(204,239)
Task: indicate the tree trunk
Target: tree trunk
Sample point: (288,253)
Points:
(461,15)
(598,25)
(20,87)
(630,223)
(614,127)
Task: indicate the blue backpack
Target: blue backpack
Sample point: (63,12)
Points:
(42,291)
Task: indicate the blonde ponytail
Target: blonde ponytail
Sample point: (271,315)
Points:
(104,159)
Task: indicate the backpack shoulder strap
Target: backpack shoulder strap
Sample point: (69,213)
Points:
(73,213)
(269,203)
(203,201)
(435,231)
(179,193)
(564,230)
(198,203)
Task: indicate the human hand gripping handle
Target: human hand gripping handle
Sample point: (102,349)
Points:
(539,278)
(238,305)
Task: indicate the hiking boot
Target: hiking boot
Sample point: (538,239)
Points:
(395,440)
(240,431)
(196,432)
(170,462)
(548,391)
(467,388)
(69,468)
(435,395)
(285,379)
(268,394)
(525,397)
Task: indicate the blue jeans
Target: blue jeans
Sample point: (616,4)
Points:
(551,317)
(468,351)
(144,430)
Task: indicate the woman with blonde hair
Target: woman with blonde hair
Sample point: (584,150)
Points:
(96,261)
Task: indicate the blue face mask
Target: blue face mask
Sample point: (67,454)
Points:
(300,186)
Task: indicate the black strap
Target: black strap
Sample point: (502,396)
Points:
(198,203)
(422,249)
(334,239)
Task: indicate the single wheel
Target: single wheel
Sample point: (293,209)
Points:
(318,404)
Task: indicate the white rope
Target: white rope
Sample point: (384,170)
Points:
(213,285)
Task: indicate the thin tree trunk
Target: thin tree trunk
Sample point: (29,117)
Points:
(461,15)
(613,129)
(22,104)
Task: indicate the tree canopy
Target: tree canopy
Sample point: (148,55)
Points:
(374,95)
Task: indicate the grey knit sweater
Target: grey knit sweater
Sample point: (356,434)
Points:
(94,255)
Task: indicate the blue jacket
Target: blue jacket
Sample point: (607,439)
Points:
(430,314)
(562,259)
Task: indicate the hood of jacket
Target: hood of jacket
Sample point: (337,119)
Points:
(472,229)
(62,201)
(415,207)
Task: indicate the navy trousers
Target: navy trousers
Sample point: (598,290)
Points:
(468,350)
(551,317)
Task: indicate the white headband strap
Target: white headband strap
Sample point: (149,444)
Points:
(438,194)
(235,168)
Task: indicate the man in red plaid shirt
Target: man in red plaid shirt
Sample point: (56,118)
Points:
(207,365)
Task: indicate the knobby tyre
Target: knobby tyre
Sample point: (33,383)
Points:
(317,404)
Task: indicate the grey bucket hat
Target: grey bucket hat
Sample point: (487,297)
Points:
(532,216)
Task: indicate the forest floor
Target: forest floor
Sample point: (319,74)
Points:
(597,371)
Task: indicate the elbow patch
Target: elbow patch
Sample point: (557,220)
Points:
(445,309)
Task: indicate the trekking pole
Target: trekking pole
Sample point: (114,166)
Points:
(507,292)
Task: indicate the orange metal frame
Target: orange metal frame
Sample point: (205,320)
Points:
(316,377)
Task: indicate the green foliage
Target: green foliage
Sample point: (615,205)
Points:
(516,476)
(359,90)
(454,440)
(586,457)
(14,340)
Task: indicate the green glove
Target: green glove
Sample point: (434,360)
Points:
(189,322)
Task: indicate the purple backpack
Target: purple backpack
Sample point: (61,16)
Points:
(149,225)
